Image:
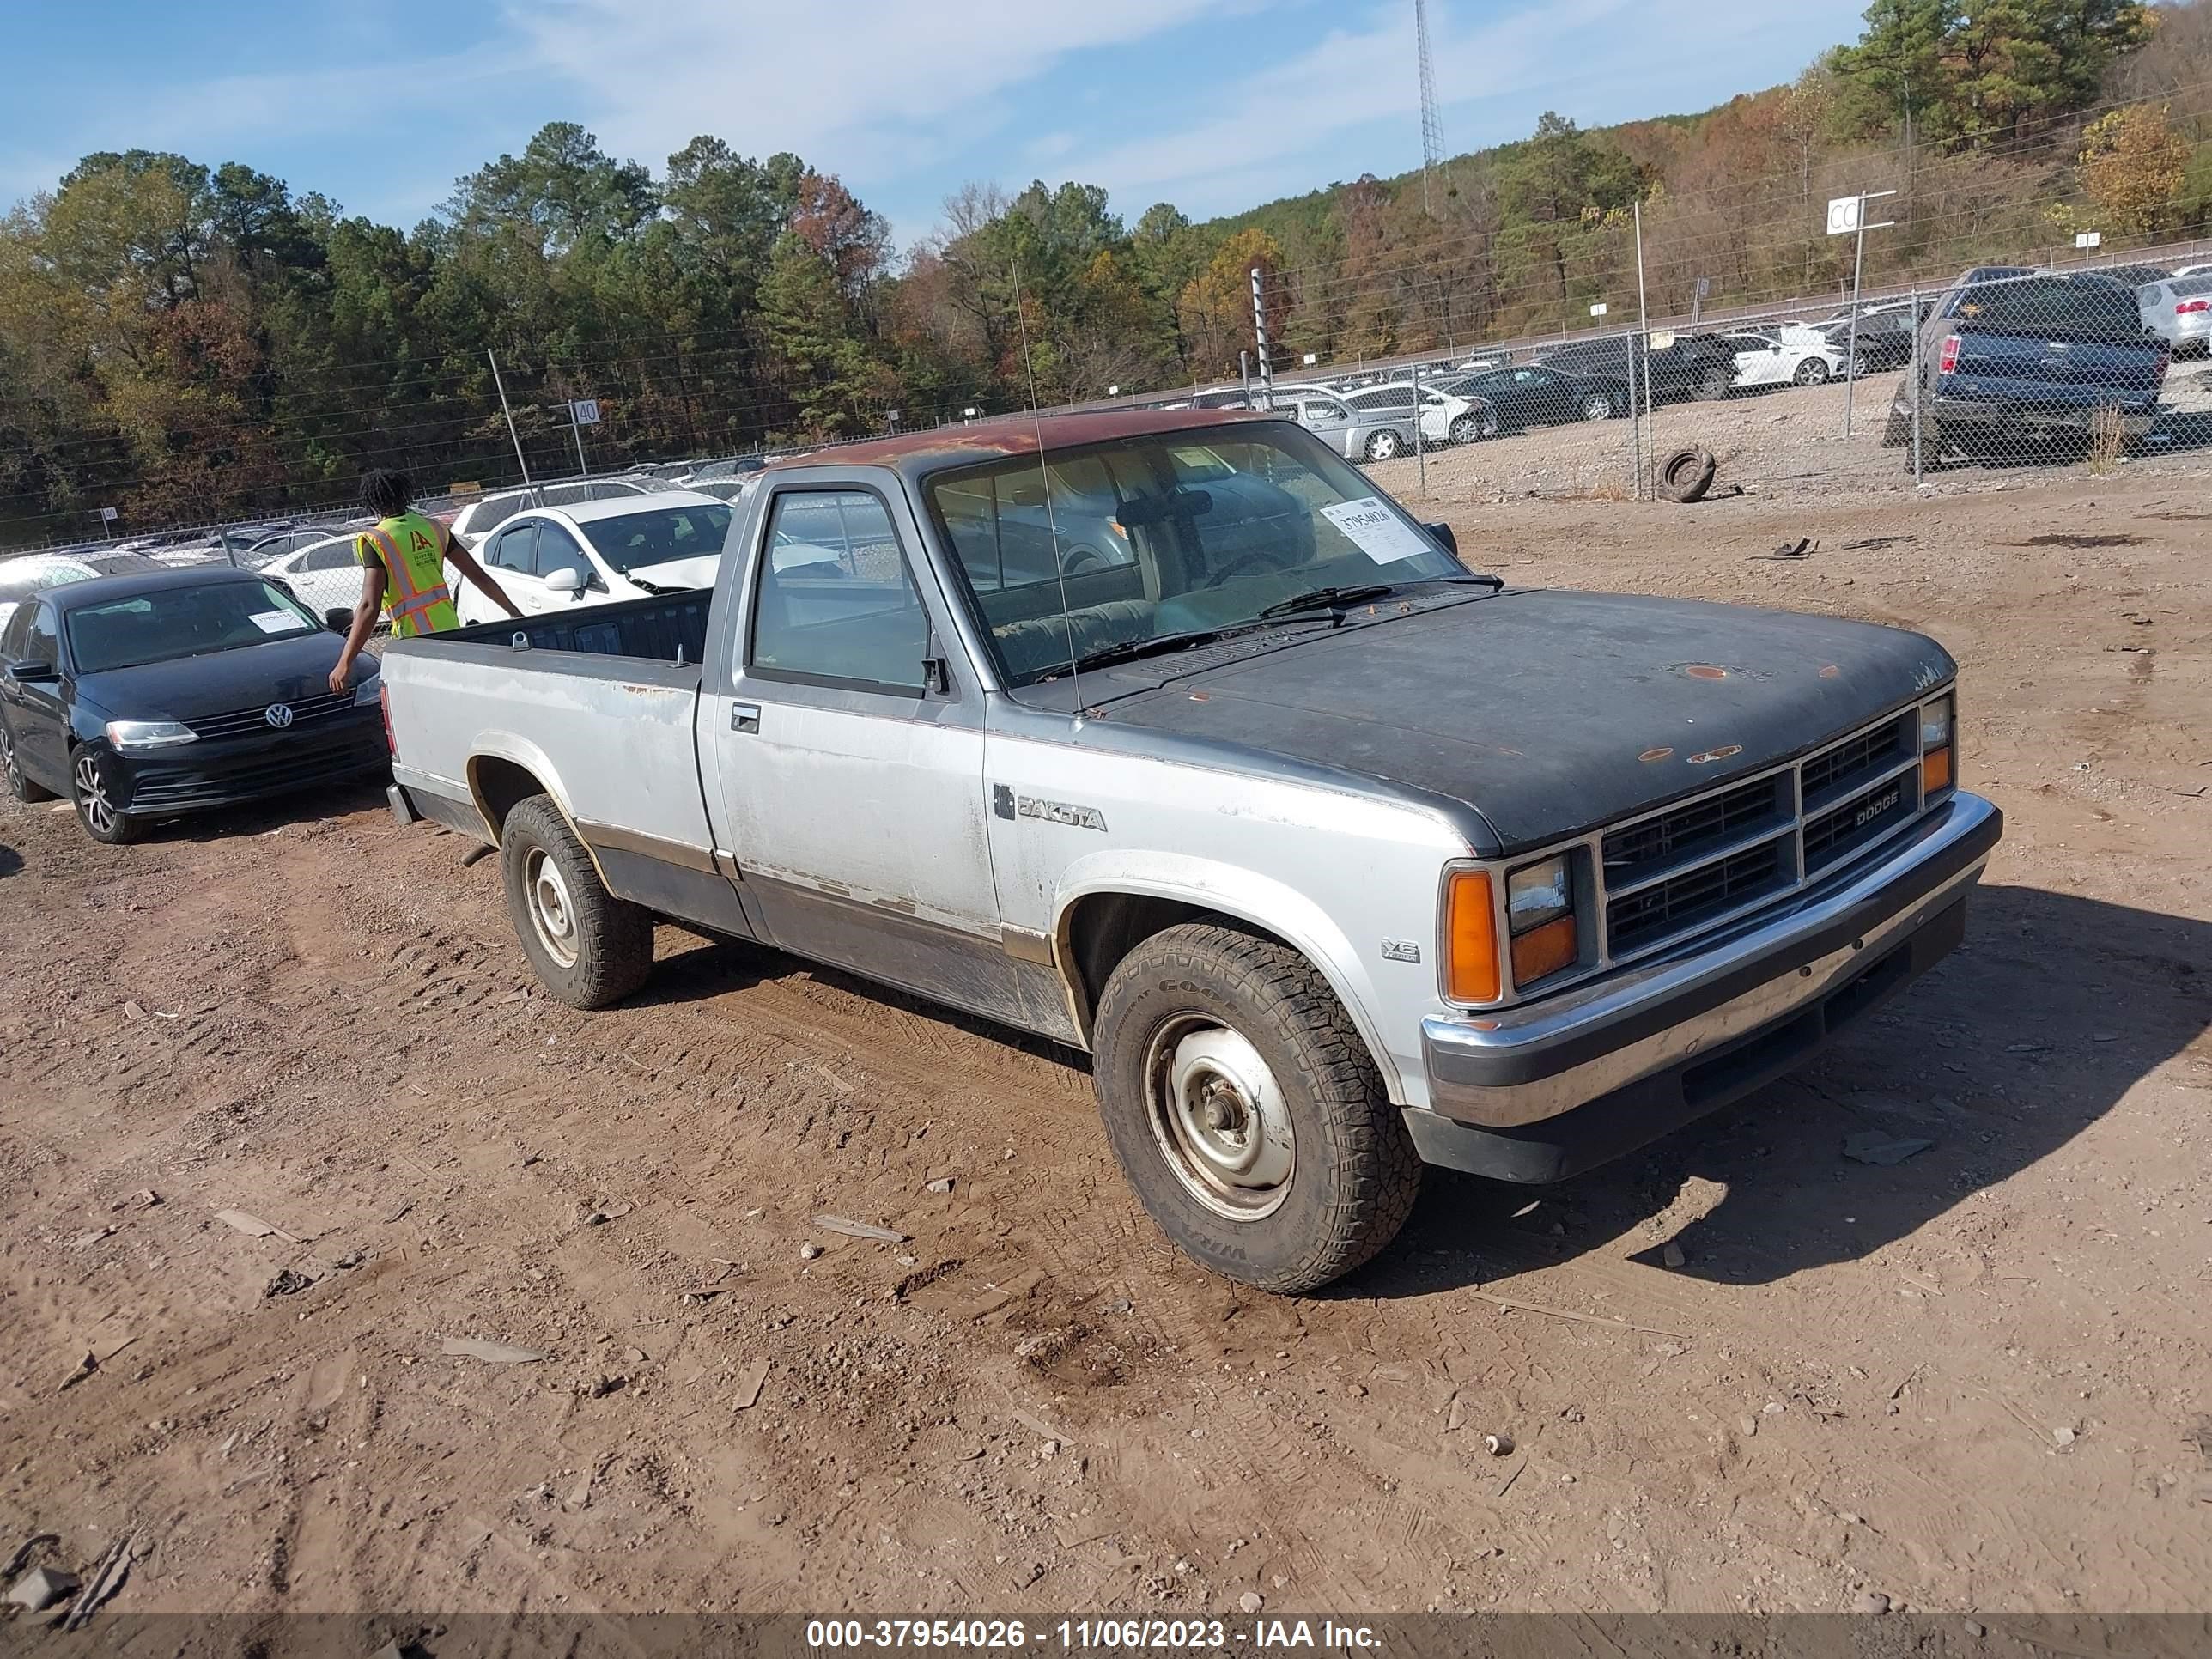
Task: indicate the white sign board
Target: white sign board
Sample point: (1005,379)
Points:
(586,411)
(1312,358)
(2088,237)
(1598,310)
(1844,213)
(1375,530)
(108,515)
(1704,288)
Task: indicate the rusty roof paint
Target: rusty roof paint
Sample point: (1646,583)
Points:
(1705,670)
(1016,435)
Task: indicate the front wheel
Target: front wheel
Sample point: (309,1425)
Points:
(92,787)
(1813,371)
(1715,382)
(589,948)
(1245,1112)
(1383,446)
(19,783)
(1471,427)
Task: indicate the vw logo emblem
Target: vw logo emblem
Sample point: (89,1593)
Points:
(278,714)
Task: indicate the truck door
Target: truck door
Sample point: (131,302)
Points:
(847,738)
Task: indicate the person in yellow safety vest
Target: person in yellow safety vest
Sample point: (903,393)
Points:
(402,571)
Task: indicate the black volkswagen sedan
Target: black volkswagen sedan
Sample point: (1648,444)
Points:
(153,695)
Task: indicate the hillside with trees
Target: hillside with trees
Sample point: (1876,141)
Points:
(192,343)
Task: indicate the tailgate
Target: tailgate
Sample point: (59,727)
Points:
(2065,373)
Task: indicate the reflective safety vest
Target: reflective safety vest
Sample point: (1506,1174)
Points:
(412,551)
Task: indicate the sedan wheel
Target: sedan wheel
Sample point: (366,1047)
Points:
(1597,407)
(1382,446)
(19,785)
(1471,427)
(1812,371)
(95,808)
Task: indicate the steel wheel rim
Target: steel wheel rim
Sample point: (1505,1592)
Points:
(552,913)
(92,797)
(1219,1118)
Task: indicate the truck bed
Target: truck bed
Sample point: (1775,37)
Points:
(669,628)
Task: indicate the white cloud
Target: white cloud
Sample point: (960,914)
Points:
(870,87)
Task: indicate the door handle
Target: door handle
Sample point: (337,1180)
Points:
(744,717)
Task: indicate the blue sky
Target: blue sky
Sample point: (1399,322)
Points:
(1215,105)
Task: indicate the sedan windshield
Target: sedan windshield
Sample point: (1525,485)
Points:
(638,539)
(183,621)
(1107,547)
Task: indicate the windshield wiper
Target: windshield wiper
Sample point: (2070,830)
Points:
(1130,650)
(1323,599)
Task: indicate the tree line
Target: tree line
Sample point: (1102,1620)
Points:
(190,344)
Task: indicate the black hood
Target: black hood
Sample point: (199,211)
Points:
(188,688)
(1552,712)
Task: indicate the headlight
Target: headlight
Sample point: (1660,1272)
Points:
(1938,730)
(1539,918)
(367,691)
(149,734)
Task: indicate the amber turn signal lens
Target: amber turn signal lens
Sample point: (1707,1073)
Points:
(1934,773)
(1544,951)
(1471,934)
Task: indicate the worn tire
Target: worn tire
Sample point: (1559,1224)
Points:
(611,940)
(20,784)
(1685,474)
(1356,1175)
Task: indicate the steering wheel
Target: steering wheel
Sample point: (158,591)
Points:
(1265,560)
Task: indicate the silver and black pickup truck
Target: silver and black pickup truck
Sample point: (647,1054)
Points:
(1168,736)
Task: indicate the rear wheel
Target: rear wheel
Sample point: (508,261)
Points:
(1245,1112)
(1597,407)
(1714,384)
(588,947)
(93,786)
(18,784)
(1383,446)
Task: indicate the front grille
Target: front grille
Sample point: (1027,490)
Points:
(306,711)
(1854,758)
(1701,861)
(1699,895)
(1681,832)
(170,785)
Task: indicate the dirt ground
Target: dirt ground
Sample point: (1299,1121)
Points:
(1742,1371)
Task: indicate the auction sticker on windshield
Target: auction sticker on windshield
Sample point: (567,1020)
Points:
(1376,531)
(274,621)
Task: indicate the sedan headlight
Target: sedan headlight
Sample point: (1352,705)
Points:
(367,690)
(1539,919)
(149,734)
(1938,742)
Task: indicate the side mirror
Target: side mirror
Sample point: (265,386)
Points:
(1443,533)
(31,672)
(569,582)
(339,619)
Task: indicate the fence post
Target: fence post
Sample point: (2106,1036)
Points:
(1643,325)
(1420,450)
(1919,476)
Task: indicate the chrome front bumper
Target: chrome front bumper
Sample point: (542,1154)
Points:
(1522,1066)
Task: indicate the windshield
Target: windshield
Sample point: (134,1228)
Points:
(1162,535)
(183,621)
(637,539)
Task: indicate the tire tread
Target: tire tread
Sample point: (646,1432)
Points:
(614,938)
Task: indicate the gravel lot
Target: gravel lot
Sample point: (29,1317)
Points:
(1743,1372)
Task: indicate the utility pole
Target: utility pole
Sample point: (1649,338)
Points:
(509,413)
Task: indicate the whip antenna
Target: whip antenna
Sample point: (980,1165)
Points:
(1045,475)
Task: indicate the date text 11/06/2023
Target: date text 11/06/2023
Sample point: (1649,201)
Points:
(1081,1635)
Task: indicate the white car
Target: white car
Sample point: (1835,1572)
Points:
(1444,419)
(1791,354)
(549,558)
(487,513)
(324,575)
(2179,311)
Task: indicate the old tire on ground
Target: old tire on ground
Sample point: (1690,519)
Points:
(588,947)
(92,784)
(1382,446)
(1245,1111)
(1684,476)
(19,782)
